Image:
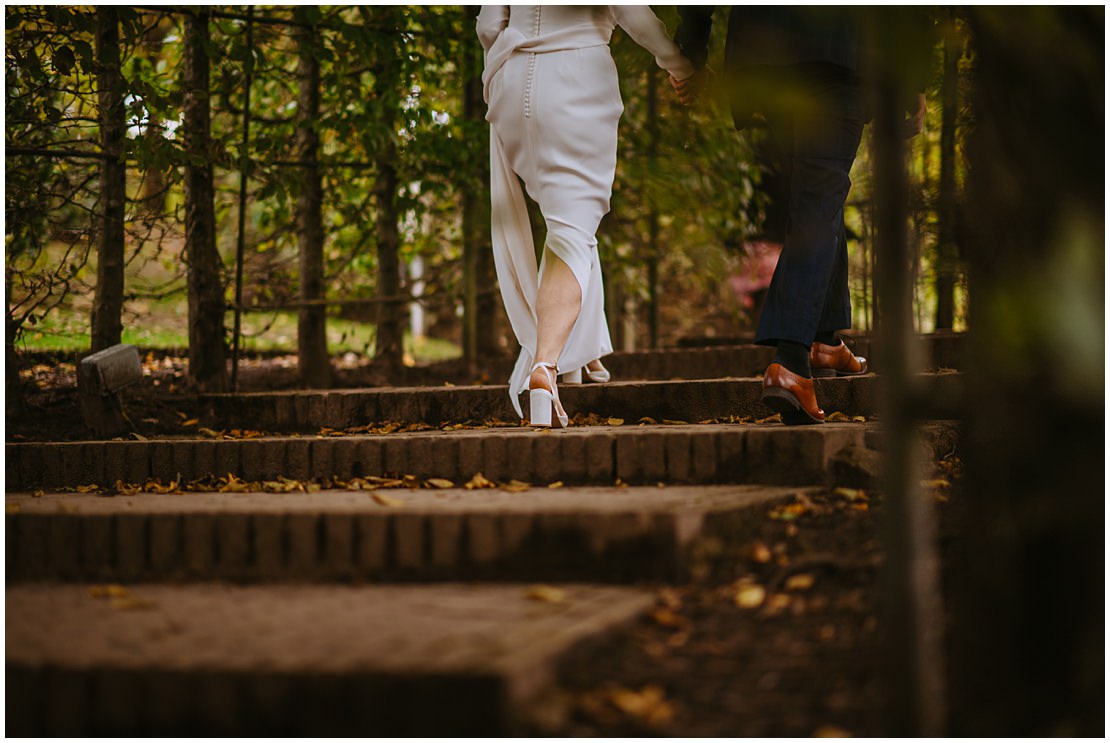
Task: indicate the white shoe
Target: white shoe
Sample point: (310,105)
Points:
(602,375)
(571,377)
(542,402)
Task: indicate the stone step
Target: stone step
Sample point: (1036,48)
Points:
(216,659)
(690,401)
(767,453)
(595,534)
(698,359)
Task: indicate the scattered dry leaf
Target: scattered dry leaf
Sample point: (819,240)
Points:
(665,617)
(776,418)
(761,552)
(935,484)
(232,484)
(750,596)
(385,500)
(439,482)
(555,485)
(649,704)
(800,582)
(110,591)
(38,493)
(190,422)
(516,486)
(616,421)
(837,417)
(852,494)
(647,421)
(480,481)
(547,594)
(674,423)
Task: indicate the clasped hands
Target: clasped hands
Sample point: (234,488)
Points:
(690,89)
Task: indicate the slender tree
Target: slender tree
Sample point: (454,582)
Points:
(107,323)
(387,88)
(946,208)
(1029,576)
(207,345)
(312,341)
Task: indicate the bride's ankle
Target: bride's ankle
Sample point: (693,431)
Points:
(541,380)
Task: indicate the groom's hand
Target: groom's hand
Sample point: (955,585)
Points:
(690,89)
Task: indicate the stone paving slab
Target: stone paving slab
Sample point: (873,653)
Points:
(582,455)
(596,534)
(689,400)
(214,659)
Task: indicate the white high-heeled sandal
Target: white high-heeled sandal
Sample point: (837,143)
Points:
(541,402)
(575,377)
(596,376)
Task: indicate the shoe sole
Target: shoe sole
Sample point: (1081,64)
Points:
(788,408)
(828,373)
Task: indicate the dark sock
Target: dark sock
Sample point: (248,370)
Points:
(794,356)
(829,339)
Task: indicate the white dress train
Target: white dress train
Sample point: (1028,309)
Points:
(554,103)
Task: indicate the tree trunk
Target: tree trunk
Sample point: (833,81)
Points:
(1029,578)
(207,345)
(946,207)
(153,196)
(312,340)
(391,312)
(910,581)
(107,323)
(478,287)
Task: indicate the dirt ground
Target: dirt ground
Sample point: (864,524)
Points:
(778,634)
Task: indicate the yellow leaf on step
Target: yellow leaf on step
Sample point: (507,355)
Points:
(749,596)
(555,485)
(110,591)
(516,486)
(616,421)
(800,582)
(547,594)
(439,482)
(480,481)
(385,500)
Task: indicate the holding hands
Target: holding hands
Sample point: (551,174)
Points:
(690,89)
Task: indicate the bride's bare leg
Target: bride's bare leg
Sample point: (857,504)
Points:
(558,303)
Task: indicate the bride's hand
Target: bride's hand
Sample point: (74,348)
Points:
(690,89)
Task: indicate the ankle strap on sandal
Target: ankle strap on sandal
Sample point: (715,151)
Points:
(545,365)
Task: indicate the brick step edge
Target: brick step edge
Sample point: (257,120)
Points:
(769,454)
(332,661)
(691,401)
(601,535)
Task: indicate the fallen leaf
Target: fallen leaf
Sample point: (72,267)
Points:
(837,417)
(210,433)
(125,489)
(112,591)
(190,422)
(138,436)
(516,486)
(776,418)
(648,704)
(616,421)
(800,582)
(385,500)
(88,488)
(233,484)
(674,423)
(760,552)
(555,485)
(480,481)
(664,617)
(859,419)
(750,596)
(38,493)
(155,486)
(547,594)
(647,420)
(439,482)
(935,484)
(851,494)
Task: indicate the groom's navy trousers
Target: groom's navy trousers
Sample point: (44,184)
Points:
(797,67)
(813,128)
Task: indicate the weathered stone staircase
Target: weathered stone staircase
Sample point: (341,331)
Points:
(390,562)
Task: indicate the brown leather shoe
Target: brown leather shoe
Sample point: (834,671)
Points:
(791,396)
(835,361)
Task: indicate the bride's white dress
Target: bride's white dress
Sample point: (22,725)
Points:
(554,104)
